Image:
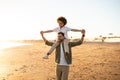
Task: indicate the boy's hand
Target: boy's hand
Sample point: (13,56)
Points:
(41,32)
(83,31)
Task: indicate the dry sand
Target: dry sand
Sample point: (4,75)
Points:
(91,61)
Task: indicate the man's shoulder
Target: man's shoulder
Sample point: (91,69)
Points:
(75,43)
(50,43)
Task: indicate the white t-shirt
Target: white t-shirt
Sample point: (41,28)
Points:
(62,57)
(63,29)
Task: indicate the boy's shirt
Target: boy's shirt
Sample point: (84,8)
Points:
(63,29)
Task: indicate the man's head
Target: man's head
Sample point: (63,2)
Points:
(61,36)
(62,21)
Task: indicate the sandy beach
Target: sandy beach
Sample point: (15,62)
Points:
(91,61)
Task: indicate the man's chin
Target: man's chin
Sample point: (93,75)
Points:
(59,40)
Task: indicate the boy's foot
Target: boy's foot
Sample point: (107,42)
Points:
(45,56)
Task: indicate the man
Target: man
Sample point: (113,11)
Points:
(63,59)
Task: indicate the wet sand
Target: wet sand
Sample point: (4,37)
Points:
(91,61)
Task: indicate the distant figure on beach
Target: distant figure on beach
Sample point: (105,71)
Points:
(62,59)
(62,21)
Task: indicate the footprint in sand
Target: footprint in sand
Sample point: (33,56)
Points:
(23,69)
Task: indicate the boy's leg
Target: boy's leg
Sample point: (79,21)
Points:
(66,47)
(53,47)
(51,50)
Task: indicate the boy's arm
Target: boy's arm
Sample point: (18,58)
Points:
(76,30)
(45,40)
(48,31)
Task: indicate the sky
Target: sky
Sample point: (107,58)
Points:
(24,19)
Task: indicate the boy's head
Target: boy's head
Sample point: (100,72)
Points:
(62,21)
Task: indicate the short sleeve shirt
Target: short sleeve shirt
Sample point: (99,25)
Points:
(64,29)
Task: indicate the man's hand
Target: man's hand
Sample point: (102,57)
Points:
(83,35)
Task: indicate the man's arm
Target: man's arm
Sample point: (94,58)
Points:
(47,43)
(72,44)
(45,40)
(43,36)
(83,35)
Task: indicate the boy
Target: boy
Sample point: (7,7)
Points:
(62,21)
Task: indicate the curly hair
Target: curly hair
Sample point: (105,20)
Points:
(63,19)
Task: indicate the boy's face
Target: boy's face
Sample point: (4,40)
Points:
(61,24)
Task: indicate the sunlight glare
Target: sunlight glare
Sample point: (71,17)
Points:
(8,44)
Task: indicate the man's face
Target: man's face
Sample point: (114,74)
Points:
(61,24)
(60,37)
